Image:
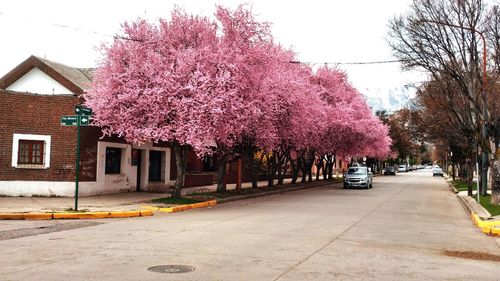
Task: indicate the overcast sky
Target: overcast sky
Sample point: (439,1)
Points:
(318,31)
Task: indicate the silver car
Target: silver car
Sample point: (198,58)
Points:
(437,172)
(358,177)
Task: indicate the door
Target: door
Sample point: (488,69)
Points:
(137,160)
(155,165)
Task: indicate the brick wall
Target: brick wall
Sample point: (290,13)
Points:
(24,113)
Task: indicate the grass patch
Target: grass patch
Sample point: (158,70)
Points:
(71,210)
(234,192)
(462,186)
(176,201)
(486,203)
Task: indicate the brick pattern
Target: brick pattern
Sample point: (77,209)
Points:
(25,113)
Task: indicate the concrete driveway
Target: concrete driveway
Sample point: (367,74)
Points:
(408,227)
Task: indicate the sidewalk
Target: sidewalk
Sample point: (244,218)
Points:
(132,201)
(488,224)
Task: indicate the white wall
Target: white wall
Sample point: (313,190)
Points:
(37,188)
(37,82)
(104,184)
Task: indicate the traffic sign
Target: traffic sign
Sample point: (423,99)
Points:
(81,110)
(84,120)
(72,120)
(69,120)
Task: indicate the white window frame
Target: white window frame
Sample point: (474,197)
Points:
(15,150)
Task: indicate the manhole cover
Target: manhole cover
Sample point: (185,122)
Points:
(171,268)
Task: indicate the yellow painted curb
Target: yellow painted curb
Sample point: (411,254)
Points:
(25,216)
(146,213)
(487,227)
(166,210)
(68,215)
(38,216)
(475,218)
(183,207)
(495,231)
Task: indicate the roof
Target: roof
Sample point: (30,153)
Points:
(75,79)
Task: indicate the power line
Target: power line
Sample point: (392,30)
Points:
(65,27)
(142,40)
(350,63)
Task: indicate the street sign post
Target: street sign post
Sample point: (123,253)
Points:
(81,119)
(69,120)
(81,110)
(84,120)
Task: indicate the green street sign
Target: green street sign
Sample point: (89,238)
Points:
(84,120)
(81,110)
(72,120)
(69,120)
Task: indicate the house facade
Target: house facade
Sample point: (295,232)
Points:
(38,154)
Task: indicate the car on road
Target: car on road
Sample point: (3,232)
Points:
(358,177)
(403,168)
(436,171)
(390,170)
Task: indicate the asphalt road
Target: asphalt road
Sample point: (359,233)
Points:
(399,230)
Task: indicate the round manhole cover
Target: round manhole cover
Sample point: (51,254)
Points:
(171,268)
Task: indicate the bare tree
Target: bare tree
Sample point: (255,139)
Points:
(443,37)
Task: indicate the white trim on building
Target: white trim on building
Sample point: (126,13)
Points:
(15,148)
(37,82)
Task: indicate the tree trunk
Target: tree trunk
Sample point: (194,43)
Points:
(495,182)
(295,170)
(255,168)
(330,160)
(310,164)
(279,167)
(284,168)
(221,175)
(319,168)
(180,162)
(270,170)
(303,167)
(470,176)
(453,170)
(484,173)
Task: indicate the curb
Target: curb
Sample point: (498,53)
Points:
(487,227)
(491,228)
(268,193)
(214,202)
(68,215)
(181,208)
(148,210)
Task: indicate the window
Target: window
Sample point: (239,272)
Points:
(30,152)
(113,160)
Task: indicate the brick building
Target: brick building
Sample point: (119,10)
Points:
(37,154)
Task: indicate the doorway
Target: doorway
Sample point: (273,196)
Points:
(137,161)
(155,165)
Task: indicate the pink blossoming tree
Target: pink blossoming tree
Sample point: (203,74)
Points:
(225,87)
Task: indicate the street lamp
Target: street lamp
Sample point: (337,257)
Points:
(484,158)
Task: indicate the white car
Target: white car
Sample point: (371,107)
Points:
(402,168)
(358,177)
(437,172)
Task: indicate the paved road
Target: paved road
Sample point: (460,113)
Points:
(399,230)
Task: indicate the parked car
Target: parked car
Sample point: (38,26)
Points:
(437,172)
(403,168)
(390,170)
(358,177)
